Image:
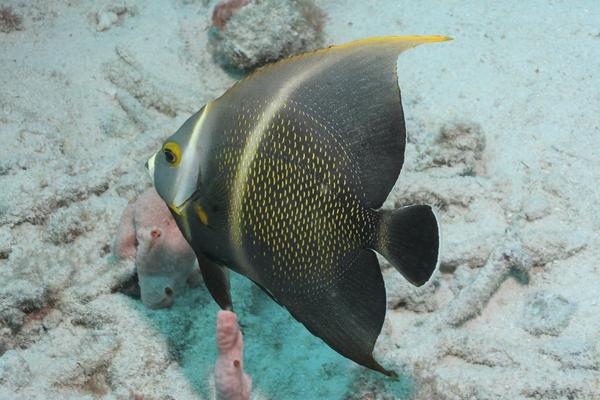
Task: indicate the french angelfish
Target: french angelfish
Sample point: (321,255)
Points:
(281,179)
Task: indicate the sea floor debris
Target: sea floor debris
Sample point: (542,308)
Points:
(288,27)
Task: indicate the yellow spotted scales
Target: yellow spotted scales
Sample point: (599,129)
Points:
(298,208)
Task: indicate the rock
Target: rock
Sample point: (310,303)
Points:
(546,313)
(113,14)
(106,20)
(262,32)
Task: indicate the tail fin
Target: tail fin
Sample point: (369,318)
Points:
(409,239)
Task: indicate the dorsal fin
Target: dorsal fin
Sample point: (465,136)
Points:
(352,88)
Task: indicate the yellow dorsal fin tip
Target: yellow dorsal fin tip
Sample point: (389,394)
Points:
(416,39)
(411,41)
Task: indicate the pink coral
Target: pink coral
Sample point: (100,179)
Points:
(230,380)
(163,259)
(224,10)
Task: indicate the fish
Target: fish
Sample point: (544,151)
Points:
(282,179)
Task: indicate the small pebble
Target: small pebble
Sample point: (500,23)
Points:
(546,313)
(106,20)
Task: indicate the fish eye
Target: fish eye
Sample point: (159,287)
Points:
(172,153)
(170,156)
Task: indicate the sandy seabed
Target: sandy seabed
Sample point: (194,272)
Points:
(504,132)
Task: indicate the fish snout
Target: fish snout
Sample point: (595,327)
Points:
(150,167)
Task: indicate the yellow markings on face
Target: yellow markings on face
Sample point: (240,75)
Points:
(179,210)
(172,153)
(182,218)
(176,210)
(201,213)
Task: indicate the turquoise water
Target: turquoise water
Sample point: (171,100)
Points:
(283,358)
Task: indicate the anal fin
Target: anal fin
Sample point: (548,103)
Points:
(349,315)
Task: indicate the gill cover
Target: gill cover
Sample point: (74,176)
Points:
(176,167)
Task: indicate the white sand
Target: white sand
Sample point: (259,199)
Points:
(81,109)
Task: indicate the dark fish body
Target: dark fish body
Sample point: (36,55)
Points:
(280,180)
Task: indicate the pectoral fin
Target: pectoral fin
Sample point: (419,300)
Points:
(216,279)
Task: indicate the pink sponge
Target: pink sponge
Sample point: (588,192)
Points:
(230,380)
(164,260)
(224,10)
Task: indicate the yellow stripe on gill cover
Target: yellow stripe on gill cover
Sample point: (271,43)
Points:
(410,41)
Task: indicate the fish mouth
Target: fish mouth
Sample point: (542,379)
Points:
(150,167)
(180,209)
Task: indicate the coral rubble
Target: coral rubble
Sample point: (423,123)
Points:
(258,32)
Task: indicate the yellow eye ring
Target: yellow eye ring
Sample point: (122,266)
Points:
(172,153)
